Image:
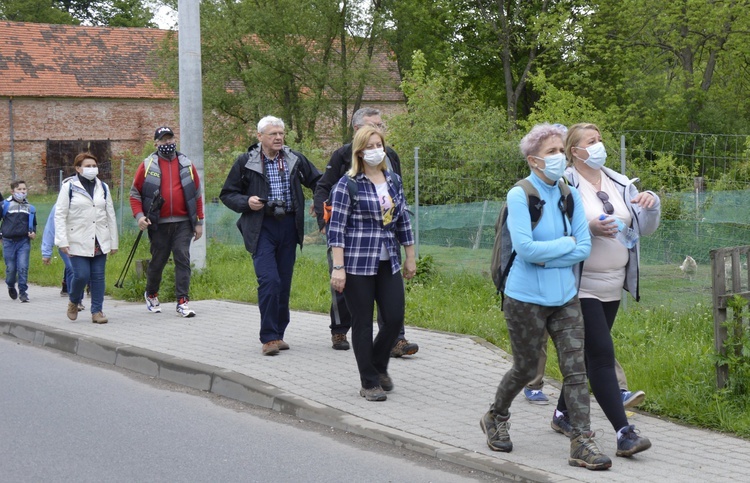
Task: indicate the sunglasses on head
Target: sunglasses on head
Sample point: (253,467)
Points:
(608,208)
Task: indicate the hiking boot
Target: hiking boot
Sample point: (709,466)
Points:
(585,452)
(404,348)
(12,293)
(632,399)
(535,396)
(496,429)
(283,346)
(561,424)
(81,307)
(630,443)
(184,310)
(339,342)
(152,302)
(373,394)
(72,310)
(24,297)
(270,348)
(99,318)
(385,382)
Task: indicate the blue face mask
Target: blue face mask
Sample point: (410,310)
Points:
(597,156)
(554,166)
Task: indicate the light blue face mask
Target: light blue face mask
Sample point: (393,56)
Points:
(597,156)
(554,166)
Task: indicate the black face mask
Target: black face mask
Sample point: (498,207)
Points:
(167,150)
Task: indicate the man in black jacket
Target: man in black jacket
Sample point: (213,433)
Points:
(341,161)
(265,186)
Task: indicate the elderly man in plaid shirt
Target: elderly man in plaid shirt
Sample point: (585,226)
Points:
(265,186)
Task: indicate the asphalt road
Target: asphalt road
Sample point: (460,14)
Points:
(63,418)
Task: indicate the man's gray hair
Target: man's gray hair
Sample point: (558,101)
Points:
(269,121)
(359,116)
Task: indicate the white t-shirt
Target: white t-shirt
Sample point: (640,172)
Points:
(386,207)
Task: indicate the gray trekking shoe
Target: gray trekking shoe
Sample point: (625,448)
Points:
(586,453)
(631,442)
(496,430)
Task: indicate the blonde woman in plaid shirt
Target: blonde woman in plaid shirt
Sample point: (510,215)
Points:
(365,236)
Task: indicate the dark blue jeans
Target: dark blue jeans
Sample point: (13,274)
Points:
(16,254)
(273,260)
(88,270)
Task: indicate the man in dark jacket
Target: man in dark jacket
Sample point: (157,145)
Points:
(341,161)
(265,186)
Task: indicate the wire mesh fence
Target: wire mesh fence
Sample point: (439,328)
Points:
(456,190)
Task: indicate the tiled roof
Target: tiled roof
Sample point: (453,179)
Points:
(42,60)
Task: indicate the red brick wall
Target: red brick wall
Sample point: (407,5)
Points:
(128,124)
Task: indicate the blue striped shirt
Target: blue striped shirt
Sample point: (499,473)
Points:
(358,228)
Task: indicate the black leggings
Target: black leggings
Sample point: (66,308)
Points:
(361,293)
(598,319)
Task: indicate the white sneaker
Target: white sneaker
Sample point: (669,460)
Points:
(152,303)
(184,310)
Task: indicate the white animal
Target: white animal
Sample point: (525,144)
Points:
(689,267)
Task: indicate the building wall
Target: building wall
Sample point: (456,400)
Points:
(128,125)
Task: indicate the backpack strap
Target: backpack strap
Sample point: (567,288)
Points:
(32,215)
(6,204)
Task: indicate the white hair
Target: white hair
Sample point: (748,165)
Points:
(269,121)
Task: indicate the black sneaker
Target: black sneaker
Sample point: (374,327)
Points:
(12,292)
(561,424)
(339,342)
(24,297)
(496,429)
(631,443)
(385,382)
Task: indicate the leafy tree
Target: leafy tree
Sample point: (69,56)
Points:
(113,13)
(38,11)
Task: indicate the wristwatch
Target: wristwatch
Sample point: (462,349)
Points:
(338,267)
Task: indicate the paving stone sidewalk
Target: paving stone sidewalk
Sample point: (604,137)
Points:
(441,392)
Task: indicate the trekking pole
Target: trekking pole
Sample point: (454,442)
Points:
(129,260)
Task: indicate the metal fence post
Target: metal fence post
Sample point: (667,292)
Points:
(416,201)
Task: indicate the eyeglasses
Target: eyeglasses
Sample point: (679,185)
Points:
(608,208)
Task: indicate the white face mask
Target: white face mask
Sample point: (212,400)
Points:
(597,156)
(20,197)
(373,157)
(90,173)
(554,166)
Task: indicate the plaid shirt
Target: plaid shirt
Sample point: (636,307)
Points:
(358,228)
(277,172)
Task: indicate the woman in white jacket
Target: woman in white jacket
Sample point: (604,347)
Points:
(86,231)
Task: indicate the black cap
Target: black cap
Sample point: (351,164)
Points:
(161,132)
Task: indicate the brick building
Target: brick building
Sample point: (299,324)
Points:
(65,89)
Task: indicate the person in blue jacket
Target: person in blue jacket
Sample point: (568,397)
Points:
(48,243)
(18,229)
(541,293)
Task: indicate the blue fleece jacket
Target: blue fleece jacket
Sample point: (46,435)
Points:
(542,272)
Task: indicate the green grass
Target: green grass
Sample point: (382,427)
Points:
(665,342)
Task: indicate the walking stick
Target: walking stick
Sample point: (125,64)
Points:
(155,206)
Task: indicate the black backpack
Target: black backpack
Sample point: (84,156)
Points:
(503,253)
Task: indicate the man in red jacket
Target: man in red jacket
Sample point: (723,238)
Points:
(165,199)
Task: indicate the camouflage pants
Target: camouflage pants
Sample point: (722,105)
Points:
(526,325)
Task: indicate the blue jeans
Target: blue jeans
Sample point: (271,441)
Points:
(273,260)
(88,270)
(68,274)
(16,254)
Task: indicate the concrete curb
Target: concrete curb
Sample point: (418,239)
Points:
(241,387)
